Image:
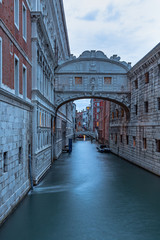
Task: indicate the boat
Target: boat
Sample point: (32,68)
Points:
(103,149)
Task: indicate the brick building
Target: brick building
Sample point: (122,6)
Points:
(33,40)
(15,102)
(104,118)
(101,113)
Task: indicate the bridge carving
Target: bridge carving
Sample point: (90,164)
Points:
(93,75)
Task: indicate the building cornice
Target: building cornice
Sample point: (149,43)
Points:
(36,93)
(65,26)
(12,38)
(14,100)
(59,32)
(146,61)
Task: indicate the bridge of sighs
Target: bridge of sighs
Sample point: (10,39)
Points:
(93,75)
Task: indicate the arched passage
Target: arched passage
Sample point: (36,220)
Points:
(93,75)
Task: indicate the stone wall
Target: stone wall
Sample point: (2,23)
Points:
(15,141)
(138,140)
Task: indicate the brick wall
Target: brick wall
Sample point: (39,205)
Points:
(11,38)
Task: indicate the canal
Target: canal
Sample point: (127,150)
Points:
(89,195)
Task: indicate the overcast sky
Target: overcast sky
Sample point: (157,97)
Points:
(128,28)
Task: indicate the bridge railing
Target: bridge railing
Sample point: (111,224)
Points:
(87,133)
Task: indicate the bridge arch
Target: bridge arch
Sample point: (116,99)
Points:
(93,75)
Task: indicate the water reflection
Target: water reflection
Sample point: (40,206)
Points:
(89,195)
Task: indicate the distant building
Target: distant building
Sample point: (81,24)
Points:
(79,121)
(101,113)
(15,102)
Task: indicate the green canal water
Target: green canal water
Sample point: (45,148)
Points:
(89,195)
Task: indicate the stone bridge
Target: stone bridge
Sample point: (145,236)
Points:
(93,75)
(86,133)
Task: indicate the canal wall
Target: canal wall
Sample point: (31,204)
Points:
(15,141)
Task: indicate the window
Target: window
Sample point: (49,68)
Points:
(127,139)
(16,74)
(97,116)
(116,138)
(158,102)
(144,143)
(107,80)
(136,109)
(134,141)
(24,77)
(122,112)
(16,13)
(98,104)
(146,107)
(97,124)
(20,155)
(117,113)
(121,138)
(0,61)
(24,21)
(78,80)
(146,77)
(111,136)
(98,110)
(0,1)
(136,83)
(5,159)
(158,145)
(112,115)
(40,119)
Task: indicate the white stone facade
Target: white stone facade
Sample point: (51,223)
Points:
(49,47)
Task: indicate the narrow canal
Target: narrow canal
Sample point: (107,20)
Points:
(89,195)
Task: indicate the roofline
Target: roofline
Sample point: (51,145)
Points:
(146,57)
(65,26)
(91,59)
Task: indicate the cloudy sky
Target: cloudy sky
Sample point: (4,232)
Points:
(128,28)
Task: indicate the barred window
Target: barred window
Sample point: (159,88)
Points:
(107,80)
(146,77)
(78,80)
